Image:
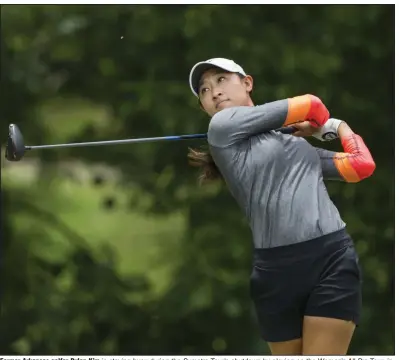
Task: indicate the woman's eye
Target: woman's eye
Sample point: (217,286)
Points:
(203,90)
(221,79)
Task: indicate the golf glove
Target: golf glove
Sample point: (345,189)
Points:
(329,131)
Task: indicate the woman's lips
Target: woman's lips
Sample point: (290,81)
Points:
(221,102)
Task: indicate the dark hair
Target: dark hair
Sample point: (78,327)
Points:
(203,159)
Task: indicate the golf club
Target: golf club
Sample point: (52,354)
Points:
(15,149)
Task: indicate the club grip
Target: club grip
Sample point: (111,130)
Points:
(287,130)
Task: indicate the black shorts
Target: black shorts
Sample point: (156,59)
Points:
(319,277)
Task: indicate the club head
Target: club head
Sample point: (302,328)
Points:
(15,149)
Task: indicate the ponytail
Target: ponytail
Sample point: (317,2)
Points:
(203,160)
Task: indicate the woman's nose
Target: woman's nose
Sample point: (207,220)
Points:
(216,93)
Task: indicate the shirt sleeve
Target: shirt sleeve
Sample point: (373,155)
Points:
(352,165)
(235,124)
(328,168)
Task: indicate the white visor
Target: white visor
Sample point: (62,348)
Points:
(199,68)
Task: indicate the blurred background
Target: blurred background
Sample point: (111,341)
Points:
(117,250)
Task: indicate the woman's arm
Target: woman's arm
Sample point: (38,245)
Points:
(352,165)
(235,124)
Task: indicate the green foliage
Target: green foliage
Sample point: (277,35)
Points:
(154,264)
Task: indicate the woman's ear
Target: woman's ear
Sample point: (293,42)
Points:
(249,83)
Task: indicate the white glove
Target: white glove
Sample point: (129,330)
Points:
(329,131)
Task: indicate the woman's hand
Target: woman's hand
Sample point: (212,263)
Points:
(332,129)
(304,129)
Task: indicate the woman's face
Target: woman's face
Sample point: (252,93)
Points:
(219,90)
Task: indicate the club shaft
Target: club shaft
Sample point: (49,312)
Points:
(287,130)
(118,142)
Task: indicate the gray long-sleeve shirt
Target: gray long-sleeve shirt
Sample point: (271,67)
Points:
(276,179)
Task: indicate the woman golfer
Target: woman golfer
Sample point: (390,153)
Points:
(306,280)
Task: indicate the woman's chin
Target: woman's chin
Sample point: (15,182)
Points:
(223,105)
